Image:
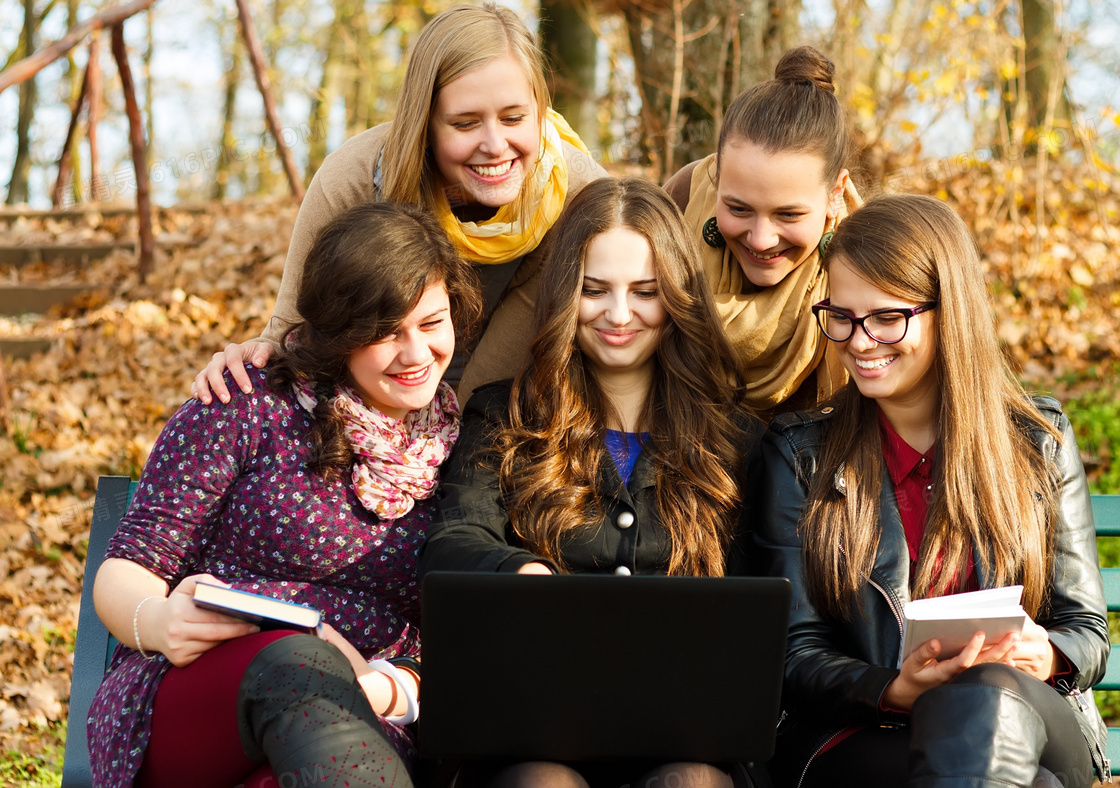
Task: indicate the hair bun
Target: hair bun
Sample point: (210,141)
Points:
(806,65)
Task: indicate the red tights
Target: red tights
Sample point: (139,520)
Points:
(195,740)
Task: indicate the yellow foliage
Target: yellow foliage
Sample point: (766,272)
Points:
(945,83)
(863,99)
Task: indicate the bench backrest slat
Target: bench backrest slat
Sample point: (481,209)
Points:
(94,644)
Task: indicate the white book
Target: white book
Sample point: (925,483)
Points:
(955,618)
(265,611)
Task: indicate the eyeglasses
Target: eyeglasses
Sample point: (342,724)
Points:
(885,326)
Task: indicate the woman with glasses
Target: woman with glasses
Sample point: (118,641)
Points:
(762,208)
(931,473)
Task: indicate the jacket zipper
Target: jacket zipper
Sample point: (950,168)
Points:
(890,603)
(817,752)
(827,741)
(1105,764)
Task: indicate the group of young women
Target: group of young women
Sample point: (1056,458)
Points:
(633,337)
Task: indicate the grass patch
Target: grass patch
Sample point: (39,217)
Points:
(41,768)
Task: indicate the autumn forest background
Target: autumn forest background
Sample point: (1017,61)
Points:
(152,164)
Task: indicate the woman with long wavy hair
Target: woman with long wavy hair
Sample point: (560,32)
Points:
(622,446)
(931,473)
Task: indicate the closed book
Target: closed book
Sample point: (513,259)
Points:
(265,611)
(955,618)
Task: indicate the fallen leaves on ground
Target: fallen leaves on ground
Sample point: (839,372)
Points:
(124,354)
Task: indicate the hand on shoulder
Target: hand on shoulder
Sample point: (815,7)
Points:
(211,381)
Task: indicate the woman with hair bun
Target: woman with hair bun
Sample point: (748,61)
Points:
(764,206)
(931,473)
(476,144)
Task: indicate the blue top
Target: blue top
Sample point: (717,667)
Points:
(625,448)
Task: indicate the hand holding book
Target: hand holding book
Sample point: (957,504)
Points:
(945,635)
(923,670)
(175,627)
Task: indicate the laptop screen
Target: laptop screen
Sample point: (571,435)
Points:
(598,667)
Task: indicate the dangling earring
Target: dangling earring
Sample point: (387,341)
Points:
(826,238)
(711,234)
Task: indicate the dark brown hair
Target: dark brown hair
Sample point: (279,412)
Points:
(797,110)
(365,273)
(551,453)
(992,488)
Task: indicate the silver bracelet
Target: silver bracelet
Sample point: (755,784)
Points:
(136,626)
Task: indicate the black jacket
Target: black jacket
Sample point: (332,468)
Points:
(836,672)
(473,532)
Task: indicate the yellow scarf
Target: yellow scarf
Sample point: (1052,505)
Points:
(772,328)
(506,236)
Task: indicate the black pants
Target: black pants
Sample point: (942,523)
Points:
(992,725)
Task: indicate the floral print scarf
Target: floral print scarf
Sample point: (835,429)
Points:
(396,461)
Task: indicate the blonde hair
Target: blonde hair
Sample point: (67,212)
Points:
(455,42)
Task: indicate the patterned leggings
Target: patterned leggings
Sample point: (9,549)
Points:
(270,710)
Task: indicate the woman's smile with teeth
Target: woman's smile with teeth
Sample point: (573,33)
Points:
(874,363)
(492,170)
(764,256)
(411,375)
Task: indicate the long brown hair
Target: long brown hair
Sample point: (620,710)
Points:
(550,453)
(365,273)
(797,110)
(454,42)
(992,488)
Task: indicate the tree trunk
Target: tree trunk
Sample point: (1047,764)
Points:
(319,117)
(21,168)
(228,143)
(139,152)
(94,94)
(569,40)
(68,159)
(710,53)
(1047,100)
(149,123)
(356,26)
(32,64)
(260,71)
(77,97)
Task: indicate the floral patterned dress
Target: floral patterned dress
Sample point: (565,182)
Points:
(226,490)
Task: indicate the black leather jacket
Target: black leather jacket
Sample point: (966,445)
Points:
(472,531)
(836,672)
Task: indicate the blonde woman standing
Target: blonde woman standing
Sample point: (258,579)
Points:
(476,144)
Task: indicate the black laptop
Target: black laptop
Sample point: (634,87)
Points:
(599,667)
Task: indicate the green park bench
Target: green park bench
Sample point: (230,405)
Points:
(95,645)
(1106,516)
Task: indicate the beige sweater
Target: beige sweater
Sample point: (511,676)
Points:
(510,290)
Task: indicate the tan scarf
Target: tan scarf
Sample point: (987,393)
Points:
(772,328)
(505,237)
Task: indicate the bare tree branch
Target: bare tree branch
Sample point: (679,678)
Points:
(260,71)
(31,65)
